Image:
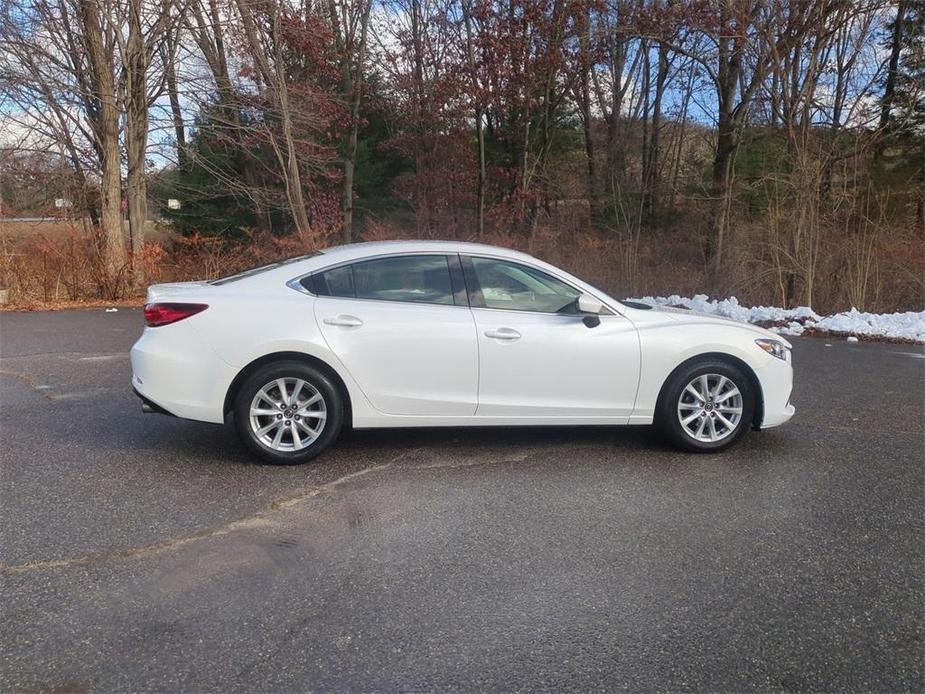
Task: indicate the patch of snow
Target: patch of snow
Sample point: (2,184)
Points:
(792,328)
(852,338)
(910,325)
(795,321)
(731,308)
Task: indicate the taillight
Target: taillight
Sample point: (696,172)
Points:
(164,314)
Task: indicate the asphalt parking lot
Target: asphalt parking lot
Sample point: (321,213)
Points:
(142,552)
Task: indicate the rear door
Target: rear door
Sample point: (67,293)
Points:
(537,356)
(401,325)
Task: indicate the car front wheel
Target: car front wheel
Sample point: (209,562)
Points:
(706,406)
(288,412)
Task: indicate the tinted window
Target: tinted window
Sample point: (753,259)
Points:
(419,278)
(336,282)
(517,287)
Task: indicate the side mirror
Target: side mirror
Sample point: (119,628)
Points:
(591,307)
(588,304)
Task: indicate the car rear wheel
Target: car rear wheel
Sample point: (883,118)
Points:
(706,406)
(288,412)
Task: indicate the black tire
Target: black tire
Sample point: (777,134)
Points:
(666,415)
(333,402)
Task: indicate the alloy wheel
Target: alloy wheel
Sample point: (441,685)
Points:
(710,408)
(288,414)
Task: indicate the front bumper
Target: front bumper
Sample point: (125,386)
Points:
(776,379)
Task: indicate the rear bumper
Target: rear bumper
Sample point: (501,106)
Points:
(175,372)
(776,379)
(151,407)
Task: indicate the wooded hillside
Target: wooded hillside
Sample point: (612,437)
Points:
(772,149)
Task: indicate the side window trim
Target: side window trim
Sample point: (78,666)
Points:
(473,288)
(457,280)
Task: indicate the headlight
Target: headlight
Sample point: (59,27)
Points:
(774,348)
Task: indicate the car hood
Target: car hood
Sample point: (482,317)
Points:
(683,315)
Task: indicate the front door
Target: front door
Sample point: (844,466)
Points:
(537,357)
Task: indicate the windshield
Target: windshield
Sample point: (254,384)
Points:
(263,268)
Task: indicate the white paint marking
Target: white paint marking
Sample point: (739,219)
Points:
(917,355)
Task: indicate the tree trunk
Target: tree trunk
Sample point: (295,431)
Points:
(280,90)
(651,174)
(293,177)
(136,136)
(275,80)
(722,171)
(105,126)
(479,129)
(480,183)
(585,107)
(352,59)
(175,111)
(349,167)
(889,87)
(113,246)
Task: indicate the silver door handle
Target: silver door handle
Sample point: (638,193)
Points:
(503,334)
(344,321)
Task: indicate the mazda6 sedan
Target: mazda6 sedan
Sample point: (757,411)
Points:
(432,333)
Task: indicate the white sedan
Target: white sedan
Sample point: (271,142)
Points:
(432,333)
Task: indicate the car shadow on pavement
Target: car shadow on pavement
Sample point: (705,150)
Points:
(157,435)
(623,437)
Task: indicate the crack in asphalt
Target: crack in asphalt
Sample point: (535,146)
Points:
(113,355)
(28,380)
(256,519)
(514,458)
(259,518)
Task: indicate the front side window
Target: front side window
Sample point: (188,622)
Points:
(416,279)
(515,287)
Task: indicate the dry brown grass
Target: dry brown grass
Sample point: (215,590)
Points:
(60,266)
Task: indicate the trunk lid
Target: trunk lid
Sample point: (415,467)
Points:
(173,290)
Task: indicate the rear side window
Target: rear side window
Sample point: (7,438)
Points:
(415,279)
(336,282)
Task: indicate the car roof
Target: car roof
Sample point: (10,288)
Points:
(277,277)
(364,249)
(372,249)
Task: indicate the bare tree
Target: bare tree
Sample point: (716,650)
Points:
(168,60)
(613,81)
(651,154)
(896,41)
(350,24)
(81,70)
(478,106)
(96,41)
(262,35)
(149,31)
